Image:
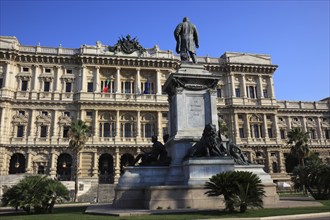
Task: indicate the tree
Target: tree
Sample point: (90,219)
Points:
(300,148)
(37,192)
(239,188)
(315,176)
(78,135)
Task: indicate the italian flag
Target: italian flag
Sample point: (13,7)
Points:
(106,86)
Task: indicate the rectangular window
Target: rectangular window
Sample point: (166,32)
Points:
(312,134)
(90,87)
(24,85)
(282,133)
(251,90)
(256,131)
(66,131)
(46,86)
(47,70)
(106,130)
(67,87)
(1,81)
(219,93)
(43,131)
(270,133)
(128,130)
(241,132)
(25,69)
(89,114)
(265,93)
(237,92)
(20,130)
(68,71)
(327,133)
(21,113)
(44,113)
(67,114)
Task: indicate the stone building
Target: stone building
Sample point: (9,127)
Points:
(119,94)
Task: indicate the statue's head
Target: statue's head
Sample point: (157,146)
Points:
(185,19)
(209,130)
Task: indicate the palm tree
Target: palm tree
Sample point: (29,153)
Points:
(35,193)
(239,188)
(78,135)
(300,148)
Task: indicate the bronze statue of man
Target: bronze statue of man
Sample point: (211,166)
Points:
(186,37)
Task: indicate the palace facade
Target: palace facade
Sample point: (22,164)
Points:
(44,89)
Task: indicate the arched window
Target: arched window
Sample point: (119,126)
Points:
(148,125)
(106,168)
(127,125)
(17,164)
(64,167)
(107,124)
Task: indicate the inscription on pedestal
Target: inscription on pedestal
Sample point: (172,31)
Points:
(195,112)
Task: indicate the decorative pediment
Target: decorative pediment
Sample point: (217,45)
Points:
(68,78)
(18,118)
(46,77)
(64,119)
(127,45)
(44,119)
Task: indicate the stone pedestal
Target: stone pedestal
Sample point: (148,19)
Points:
(197,171)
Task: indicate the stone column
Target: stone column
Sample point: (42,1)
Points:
(3,124)
(260,88)
(138,126)
(269,162)
(117,138)
(117,82)
(83,79)
(232,80)
(52,169)
(29,168)
(243,86)
(97,81)
(117,166)
(319,128)
(247,124)
(303,121)
(159,126)
(57,80)
(281,162)
(289,123)
(6,83)
(32,129)
(276,130)
(237,137)
(55,132)
(138,81)
(271,87)
(96,124)
(158,82)
(265,127)
(95,165)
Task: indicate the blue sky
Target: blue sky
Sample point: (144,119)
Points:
(294,33)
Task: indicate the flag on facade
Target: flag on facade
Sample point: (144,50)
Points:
(106,86)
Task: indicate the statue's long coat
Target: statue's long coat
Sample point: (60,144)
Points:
(186,37)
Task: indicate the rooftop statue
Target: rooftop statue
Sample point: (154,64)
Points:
(186,37)
(127,45)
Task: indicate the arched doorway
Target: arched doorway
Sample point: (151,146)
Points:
(125,160)
(106,168)
(64,167)
(17,164)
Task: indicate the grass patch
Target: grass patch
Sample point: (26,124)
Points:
(77,213)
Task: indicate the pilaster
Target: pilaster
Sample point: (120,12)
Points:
(138,81)
(271,85)
(32,129)
(29,162)
(97,83)
(158,82)
(232,88)
(260,88)
(83,79)
(117,166)
(95,165)
(117,82)
(117,138)
(265,131)
(243,86)
(96,124)
(159,126)
(52,170)
(138,132)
